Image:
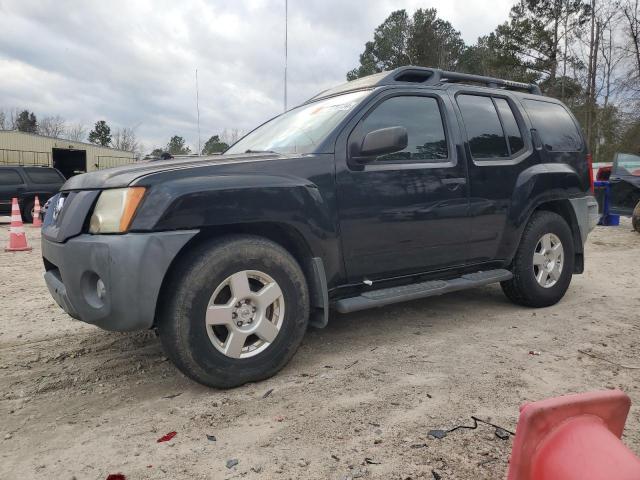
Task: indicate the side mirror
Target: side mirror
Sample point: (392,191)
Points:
(381,142)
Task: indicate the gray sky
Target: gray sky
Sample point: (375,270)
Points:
(132,62)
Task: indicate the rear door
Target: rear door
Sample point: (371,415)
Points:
(11,185)
(625,183)
(404,212)
(497,151)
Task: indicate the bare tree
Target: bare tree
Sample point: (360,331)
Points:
(76,133)
(631,13)
(126,139)
(230,136)
(52,127)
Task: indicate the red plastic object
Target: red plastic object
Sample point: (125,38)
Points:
(590,166)
(604,173)
(167,437)
(575,437)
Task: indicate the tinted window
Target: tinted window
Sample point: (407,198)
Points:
(627,164)
(484,131)
(43,175)
(423,121)
(509,125)
(555,126)
(10,177)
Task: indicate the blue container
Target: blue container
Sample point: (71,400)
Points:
(602,190)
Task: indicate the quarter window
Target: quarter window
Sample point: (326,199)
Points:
(10,177)
(422,118)
(557,129)
(484,131)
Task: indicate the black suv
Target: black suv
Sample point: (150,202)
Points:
(25,183)
(393,187)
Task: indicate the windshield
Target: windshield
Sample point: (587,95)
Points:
(302,129)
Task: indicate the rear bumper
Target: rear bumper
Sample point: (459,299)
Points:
(111,281)
(586,211)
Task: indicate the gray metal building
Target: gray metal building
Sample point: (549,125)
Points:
(71,158)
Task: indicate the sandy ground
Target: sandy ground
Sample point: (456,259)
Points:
(357,400)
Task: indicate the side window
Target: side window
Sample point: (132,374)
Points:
(510,126)
(557,129)
(43,175)
(421,117)
(484,131)
(10,177)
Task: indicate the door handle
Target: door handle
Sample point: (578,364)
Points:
(453,183)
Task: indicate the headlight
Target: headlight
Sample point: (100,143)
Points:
(114,210)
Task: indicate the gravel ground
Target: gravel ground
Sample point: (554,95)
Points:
(357,400)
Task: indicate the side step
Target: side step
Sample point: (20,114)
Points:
(387,296)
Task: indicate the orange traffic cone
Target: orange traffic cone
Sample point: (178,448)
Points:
(576,437)
(37,221)
(17,238)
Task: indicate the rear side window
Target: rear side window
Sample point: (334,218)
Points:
(422,119)
(484,131)
(557,129)
(43,175)
(10,177)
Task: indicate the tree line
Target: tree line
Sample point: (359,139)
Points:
(215,144)
(584,52)
(121,138)
(55,126)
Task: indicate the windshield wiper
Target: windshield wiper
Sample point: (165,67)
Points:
(259,151)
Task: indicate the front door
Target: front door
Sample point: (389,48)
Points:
(404,212)
(625,183)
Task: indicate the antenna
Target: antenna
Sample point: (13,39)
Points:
(198,110)
(286,32)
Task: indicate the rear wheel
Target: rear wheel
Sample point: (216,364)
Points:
(543,265)
(27,211)
(635,218)
(238,310)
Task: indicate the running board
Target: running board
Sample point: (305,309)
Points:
(387,296)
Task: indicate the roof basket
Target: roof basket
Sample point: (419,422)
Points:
(433,76)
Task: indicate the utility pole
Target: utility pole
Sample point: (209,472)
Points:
(198,111)
(286,32)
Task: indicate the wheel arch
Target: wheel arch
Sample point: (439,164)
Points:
(563,208)
(285,236)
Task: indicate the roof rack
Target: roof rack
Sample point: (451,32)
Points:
(434,76)
(425,76)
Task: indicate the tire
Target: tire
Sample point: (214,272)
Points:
(635,218)
(27,209)
(524,288)
(198,349)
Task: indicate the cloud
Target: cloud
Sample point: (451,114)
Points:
(133,63)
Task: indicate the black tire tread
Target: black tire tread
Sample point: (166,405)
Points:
(190,270)
(520,289)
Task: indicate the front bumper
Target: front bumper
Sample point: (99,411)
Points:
(111,281)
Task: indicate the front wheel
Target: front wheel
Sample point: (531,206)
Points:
(543,265)
(237,311)
(635,218)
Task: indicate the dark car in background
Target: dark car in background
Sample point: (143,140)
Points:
(25,183)
(624,183)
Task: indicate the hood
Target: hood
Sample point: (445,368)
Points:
(125,175)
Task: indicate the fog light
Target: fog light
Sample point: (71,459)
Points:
(101,290)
